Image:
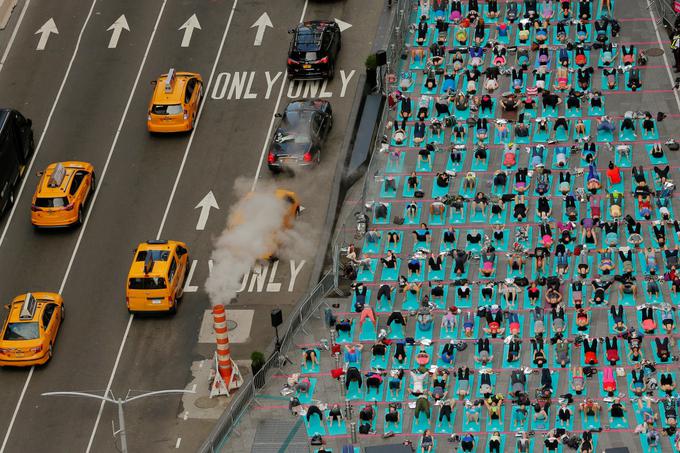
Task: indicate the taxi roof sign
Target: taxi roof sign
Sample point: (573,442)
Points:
(28,307)
(57,176)
(148,263)
(170,80)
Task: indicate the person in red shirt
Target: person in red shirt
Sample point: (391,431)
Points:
(614,174)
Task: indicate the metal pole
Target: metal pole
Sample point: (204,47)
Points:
(120,402)
(121,427)
(353,432)
(348,410)
(342,385)
(332,337)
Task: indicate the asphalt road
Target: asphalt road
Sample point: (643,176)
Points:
(88,102)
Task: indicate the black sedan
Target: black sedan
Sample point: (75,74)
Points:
(300,134)
(314,50)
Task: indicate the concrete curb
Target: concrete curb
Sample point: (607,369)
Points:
(340,181)
(6,7)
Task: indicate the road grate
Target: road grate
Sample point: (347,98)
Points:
(273,436)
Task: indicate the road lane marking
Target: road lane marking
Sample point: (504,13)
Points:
(115,367)
(170,200)
(261,23)
(14,34)
(265,147)
(47,124)
(342,25)
(118,26)
(16,409)
(179,441)
(94,199)
(21,189)
(189,26)
(205,204)
(45,31)
(665,58)
(198,119)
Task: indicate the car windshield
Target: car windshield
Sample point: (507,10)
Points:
(147,283)
(56,202)
(21,331)
(156,255)
(166,109)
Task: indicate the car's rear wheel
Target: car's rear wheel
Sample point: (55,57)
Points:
(63,313)
(81,217)
(331,71)
(49,352)
(173,309)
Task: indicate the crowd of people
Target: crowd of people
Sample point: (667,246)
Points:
(531,299)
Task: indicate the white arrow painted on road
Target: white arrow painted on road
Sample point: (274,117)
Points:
(188,27)
(118,26)
(205,204)
(44,32)
(343,25)
(262,23)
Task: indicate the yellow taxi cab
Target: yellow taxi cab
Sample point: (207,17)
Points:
(31,329)
(174,103)
(293,203)
(63,191)
(156,279)
(293,208)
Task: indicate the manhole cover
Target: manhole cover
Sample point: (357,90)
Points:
(654,52)
(205,402)
(231,325)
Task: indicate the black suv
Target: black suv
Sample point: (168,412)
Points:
(313,50)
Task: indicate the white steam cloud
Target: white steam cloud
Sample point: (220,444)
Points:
(253,231)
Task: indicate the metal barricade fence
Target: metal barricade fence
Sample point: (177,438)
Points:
(248,391)
(397,52)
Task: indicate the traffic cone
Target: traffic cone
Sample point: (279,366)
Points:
(224,363)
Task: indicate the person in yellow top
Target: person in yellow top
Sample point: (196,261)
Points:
(675,47)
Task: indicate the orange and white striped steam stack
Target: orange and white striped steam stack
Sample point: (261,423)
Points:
(224,363)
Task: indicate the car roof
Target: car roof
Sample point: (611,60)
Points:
(41,298)
(308,35)
(57,186)
(176,96)
(160,268)
(299,113)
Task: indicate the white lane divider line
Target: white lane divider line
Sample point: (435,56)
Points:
(198,120)
(23,184)
(650,7)
(172,194)
(16,409)
(179,441)
(265,146)
(91,208)
(47,125)
(14,34)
